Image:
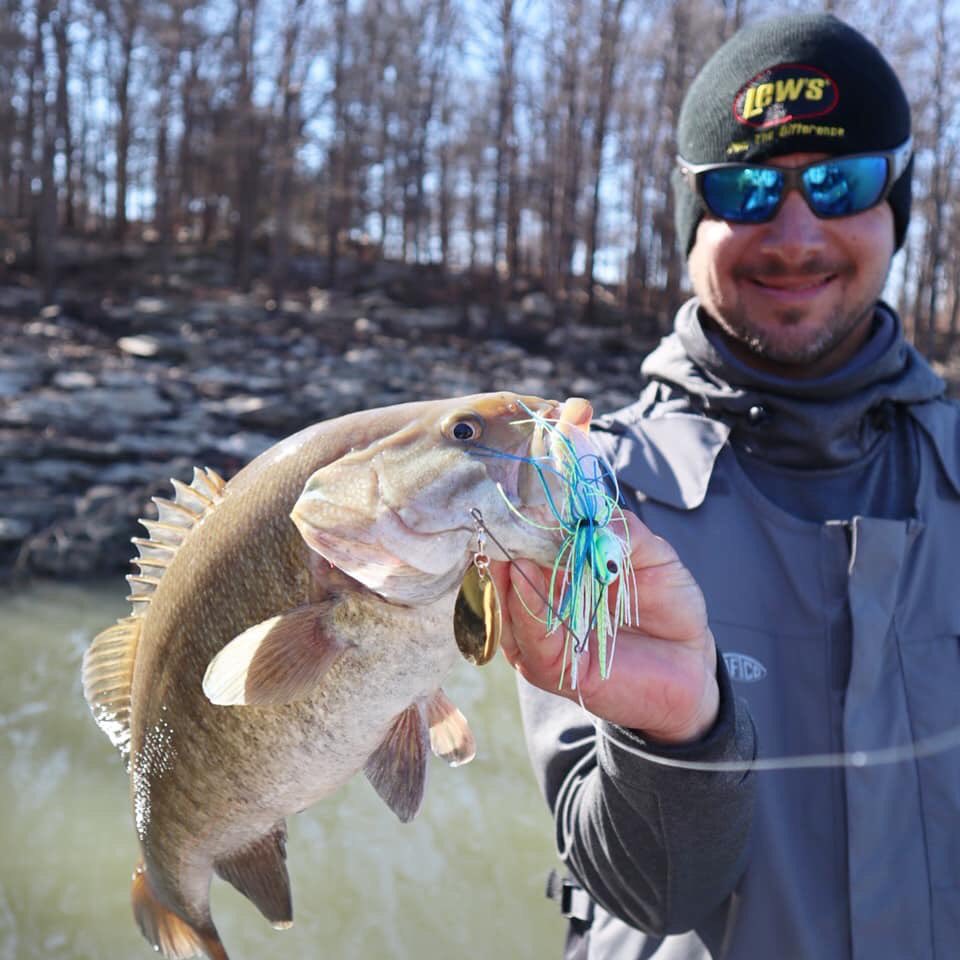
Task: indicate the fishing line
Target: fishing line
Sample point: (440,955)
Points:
(882,756)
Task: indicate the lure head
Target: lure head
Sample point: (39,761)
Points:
(606,556)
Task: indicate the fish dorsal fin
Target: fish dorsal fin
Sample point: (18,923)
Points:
(175,519)
(108,663)
(450,736)
(398,767)
(259,872)
(108,678)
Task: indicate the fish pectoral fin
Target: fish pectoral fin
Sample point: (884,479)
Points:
(259,872)
(278,661)
(450,736)
(398,767)
(168,932)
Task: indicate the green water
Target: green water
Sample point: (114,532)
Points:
(464,880)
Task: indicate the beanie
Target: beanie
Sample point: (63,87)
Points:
(794,84)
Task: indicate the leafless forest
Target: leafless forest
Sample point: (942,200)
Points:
(533,136)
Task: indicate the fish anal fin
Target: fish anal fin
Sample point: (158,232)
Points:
(397,769)
(450,736)
(167,931)
(278,661)
(108,680)
(259,872)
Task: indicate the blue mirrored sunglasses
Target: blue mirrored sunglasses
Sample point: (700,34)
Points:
(836,187)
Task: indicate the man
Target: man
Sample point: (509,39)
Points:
(799,461)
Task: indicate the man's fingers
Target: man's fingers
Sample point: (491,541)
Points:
(537,654)
(646,548)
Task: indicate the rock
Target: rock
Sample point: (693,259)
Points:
(584,387)
(150,305)
(98,497)
(74,380)
(13,530)
(104,401)
(244,446)
(365,325)
(541,366)
(14,382)
(538,305)
(142,346)
(124,474)
(61,473)
(18,299)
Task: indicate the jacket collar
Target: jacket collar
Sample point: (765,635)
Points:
(944,434)
(829,422)
(665,445)
(669,458)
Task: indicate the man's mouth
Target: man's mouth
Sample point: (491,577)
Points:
(793,287)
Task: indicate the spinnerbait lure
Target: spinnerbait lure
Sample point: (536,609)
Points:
(592,559)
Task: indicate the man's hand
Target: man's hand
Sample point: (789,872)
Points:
(662,681)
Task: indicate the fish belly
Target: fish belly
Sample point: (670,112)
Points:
(263,764)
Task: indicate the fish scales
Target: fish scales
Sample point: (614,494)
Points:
(212,784)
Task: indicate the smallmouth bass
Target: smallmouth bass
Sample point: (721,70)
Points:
(293,627)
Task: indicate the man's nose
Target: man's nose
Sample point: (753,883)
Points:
(795,232)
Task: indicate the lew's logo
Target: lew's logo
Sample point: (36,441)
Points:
(744,668)
(790,91)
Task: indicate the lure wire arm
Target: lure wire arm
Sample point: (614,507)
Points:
(482,527)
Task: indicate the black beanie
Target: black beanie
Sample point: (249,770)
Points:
(795,84)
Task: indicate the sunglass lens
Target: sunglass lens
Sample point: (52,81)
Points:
(845,186)
(743,194)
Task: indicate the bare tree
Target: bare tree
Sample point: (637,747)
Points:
(610,18)
(287,125)
(247,139)
(122,23)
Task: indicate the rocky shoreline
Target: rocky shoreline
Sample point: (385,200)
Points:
(101,403)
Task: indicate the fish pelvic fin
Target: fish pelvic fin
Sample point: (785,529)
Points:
(450,735)
(278,661)
(175,519)
(259,872)
(108,679)
(397,769)
(167,931)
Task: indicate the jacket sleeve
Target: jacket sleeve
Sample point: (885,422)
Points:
(658,847)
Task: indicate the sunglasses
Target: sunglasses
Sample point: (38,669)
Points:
(836,187)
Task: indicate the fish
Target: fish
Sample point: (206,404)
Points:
(293,626)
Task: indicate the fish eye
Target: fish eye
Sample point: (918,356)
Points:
(612,567)
(464,428)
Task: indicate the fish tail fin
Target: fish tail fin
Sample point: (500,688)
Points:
(174,937)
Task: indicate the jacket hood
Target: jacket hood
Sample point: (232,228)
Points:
(830,421)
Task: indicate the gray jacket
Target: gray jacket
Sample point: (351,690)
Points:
(839,623)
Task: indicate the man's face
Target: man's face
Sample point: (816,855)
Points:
(794,296)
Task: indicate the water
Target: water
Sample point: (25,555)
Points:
(464,880)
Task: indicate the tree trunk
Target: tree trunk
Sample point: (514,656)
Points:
(572,145)
(337,160)
(61,24)
(247,139)
(284,153)
(609,42)
(128,30)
